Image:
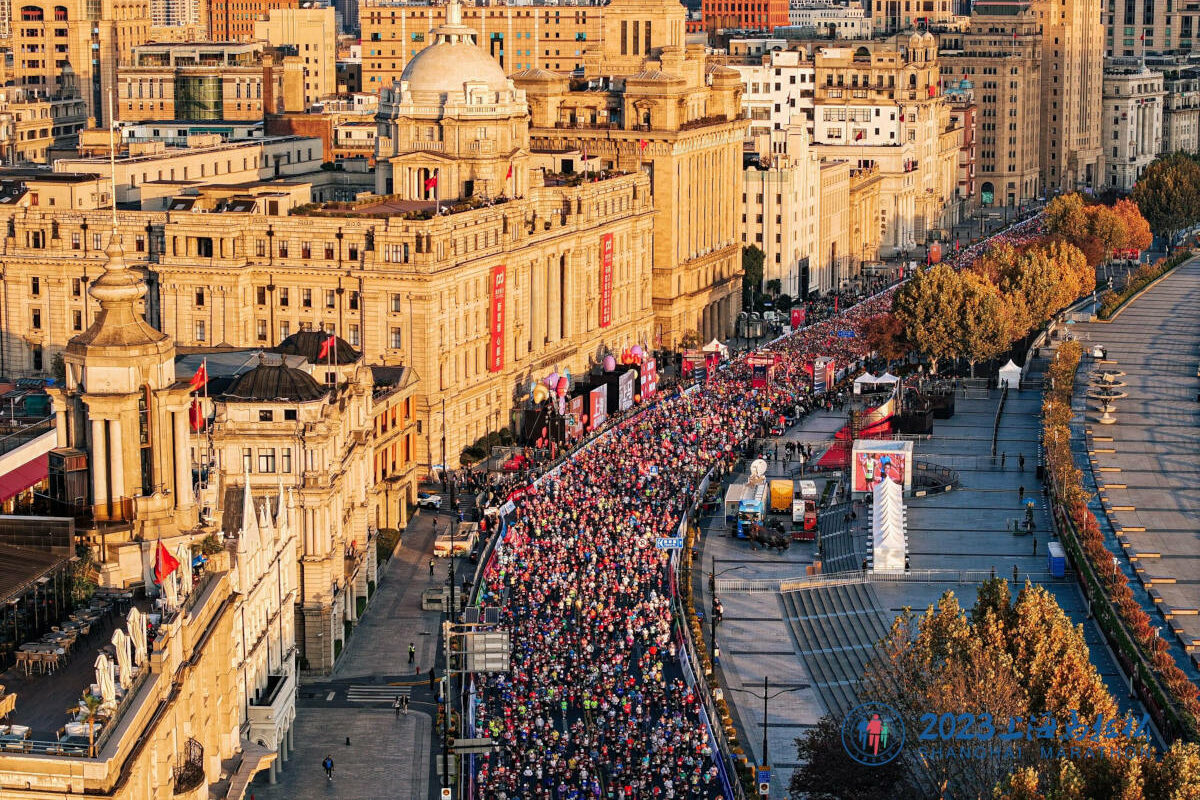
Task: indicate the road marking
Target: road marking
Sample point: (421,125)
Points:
(329,697)
(376,694)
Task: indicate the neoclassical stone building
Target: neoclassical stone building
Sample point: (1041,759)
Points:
(480,284)
(649,103)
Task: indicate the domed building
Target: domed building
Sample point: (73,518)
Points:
(454,125)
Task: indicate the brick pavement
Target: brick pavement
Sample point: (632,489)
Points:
(388,756)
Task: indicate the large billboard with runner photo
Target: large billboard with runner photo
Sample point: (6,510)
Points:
(872,460)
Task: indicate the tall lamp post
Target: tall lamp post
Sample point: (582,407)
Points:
(712,593)
(766,698)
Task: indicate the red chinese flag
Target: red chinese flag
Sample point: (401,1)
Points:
(196,415)
(164,563)
(200,378)
(858,136)
(326,347)
(642,144)
(509,175)
(431,182)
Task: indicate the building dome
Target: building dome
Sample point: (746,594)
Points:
(443,68)
(311,345)
(274,383)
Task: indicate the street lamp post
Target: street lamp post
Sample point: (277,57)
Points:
(766,698)
(712,593)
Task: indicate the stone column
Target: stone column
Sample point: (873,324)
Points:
(554,299)
(98,464)
(116,457)
(60,427)
(184,496)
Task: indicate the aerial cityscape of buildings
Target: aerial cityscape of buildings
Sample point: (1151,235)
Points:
(296,296)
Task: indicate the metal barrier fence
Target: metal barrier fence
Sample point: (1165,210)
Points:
(725,585)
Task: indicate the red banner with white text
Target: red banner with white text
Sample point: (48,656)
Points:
(496,346)
(606,279)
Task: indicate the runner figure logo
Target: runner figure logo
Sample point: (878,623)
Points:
(873,734)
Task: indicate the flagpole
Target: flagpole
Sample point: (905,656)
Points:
(437,190)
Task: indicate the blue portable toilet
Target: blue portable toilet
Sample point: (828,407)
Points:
(1056,559)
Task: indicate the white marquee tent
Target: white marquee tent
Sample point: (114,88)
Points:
(888,527)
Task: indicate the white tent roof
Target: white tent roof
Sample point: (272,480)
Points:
(887,526)
(887,377)
(865,379)
(1010,369)
(714,347)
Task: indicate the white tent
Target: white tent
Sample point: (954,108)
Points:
(1010,376)
(887,377)
(716,347)
(887,527)
(866,379)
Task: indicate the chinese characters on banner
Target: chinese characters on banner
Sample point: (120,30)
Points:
(798,315)
(606,279)
(598,399)
(496,346)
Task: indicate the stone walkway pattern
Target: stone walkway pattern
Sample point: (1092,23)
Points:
(1147,465)
(816,645)
(377,755)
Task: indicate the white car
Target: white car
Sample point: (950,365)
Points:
(427,500)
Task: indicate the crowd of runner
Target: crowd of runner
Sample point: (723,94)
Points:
(595,704)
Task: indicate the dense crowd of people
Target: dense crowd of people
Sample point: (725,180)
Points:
(595,704)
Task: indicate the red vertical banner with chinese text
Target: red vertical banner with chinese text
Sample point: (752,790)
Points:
(606,279)
(496,346)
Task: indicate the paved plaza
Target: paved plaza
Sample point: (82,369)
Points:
(378,755)
(814,641)
(1145,466)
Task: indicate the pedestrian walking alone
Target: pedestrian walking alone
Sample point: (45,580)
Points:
(404,704)
(328,765)
(1020,494)
(1035,545)
(412,653)
(431,564)
(432,682)
(1021,462)
(396,705)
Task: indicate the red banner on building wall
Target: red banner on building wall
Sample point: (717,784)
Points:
(496,346)
(606,279)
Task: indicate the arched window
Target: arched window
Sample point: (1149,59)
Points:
(31,14)
(60,13)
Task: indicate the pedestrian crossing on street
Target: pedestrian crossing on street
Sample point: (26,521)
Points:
(383,695)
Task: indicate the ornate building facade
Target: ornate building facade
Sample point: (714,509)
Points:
(647,103)
(197,710)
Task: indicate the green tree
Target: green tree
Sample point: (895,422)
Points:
(1108,229)
(1168,194)
(986,321)
(827,772)
(927,308)
(752,269)
(1067,216)
(1007,658)
(1136,226)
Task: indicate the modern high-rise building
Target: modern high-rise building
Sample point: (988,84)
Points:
(312,31)
(1072,94)
(177,13)
(538,35)
(1137,28)
(233,20)
(998,60)
(751,15)
(647,103)
(71,48)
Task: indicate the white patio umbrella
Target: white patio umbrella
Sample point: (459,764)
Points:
(137,633)
(104,679)
(184,554)
(169,591)
(124,664)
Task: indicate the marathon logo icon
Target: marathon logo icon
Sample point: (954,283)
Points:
(873,734)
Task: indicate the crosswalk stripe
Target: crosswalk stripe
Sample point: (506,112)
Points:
(376,694)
